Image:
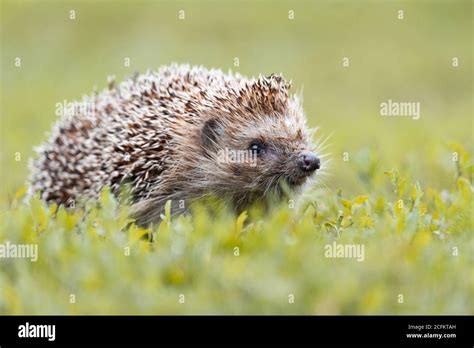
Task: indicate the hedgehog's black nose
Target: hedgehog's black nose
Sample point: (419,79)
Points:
(309,162)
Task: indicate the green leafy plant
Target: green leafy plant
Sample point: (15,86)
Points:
(418,242)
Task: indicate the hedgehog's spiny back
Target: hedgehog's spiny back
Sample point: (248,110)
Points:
(126,133)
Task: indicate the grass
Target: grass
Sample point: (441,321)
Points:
(399,187)
(418,243)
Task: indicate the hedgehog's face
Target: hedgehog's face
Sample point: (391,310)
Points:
(257,156)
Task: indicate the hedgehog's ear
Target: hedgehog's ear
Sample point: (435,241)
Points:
(210,134)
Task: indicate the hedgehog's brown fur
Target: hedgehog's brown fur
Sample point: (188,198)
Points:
(160,132)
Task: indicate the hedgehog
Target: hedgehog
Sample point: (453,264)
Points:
(179,133)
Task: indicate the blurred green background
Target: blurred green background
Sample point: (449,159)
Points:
(409,249)
(402,60)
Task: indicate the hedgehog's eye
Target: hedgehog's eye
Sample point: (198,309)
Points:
(256,147)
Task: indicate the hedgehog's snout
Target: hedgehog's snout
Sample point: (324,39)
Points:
(308,162)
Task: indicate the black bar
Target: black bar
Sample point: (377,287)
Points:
(287,330)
